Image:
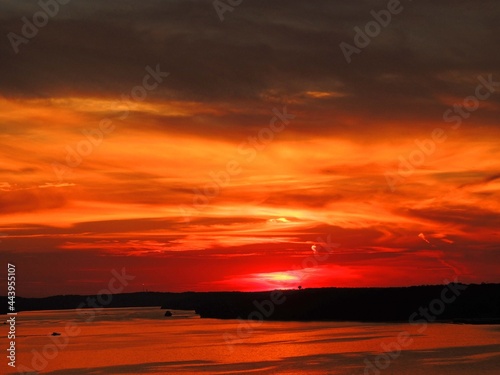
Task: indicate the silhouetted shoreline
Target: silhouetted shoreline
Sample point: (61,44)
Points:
(454,303)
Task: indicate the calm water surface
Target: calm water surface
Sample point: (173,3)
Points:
(143,341)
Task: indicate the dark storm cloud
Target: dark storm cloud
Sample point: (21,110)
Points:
(465,215)
(101,49)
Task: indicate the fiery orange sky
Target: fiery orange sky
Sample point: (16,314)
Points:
(261,142)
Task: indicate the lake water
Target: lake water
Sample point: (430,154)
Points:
(143,341)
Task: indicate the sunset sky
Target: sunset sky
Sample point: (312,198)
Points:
(305,146)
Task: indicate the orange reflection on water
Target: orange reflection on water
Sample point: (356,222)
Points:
(143,341)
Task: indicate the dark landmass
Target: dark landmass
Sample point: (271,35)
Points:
(458,303)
